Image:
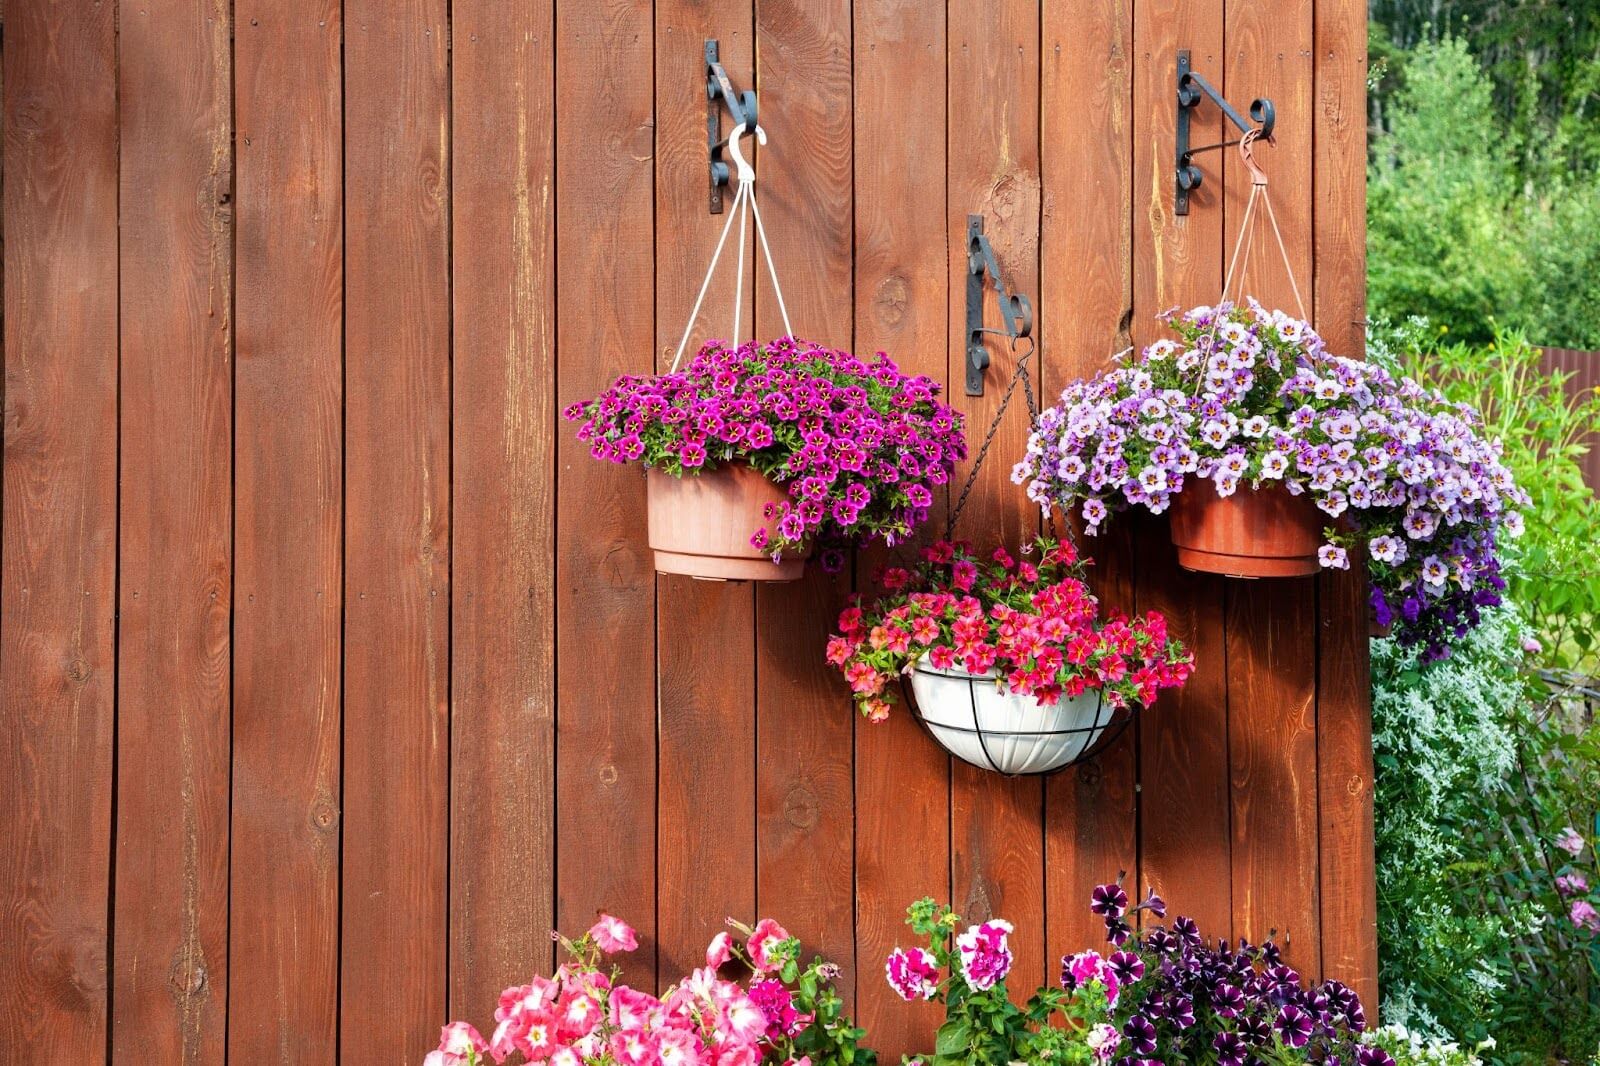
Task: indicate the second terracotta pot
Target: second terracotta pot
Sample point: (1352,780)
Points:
(700,525)
(1261,532)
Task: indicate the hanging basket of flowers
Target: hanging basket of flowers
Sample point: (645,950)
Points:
(757,455)
(1300,441)
(1277,458)
(1009,663)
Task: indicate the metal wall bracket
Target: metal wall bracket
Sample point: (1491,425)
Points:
(1192,88)
(720,93)
(1016,312)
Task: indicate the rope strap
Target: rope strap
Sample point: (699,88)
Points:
(743,208)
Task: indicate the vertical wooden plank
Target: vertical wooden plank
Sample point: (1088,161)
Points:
(170,986)
(57,604)
(705,648)
(1344,709)
(1085,304)
(1183,824)
(1272,627)
(397,539)
(288,497)
(502,767)
(997,849)
(606,767)
(902,778)
(804,721)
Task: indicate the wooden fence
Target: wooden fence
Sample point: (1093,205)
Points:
(1584,368)
(333,673)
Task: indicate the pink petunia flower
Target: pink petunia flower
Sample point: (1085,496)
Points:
(764,943)
(613,934)
(1570,842)
(985,956)
(632,1009)
(913,974)
(719,951)
(1584,916)
(456,1041)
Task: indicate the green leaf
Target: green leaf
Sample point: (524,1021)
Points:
(953,1038)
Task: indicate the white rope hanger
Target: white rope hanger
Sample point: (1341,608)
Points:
(744,206)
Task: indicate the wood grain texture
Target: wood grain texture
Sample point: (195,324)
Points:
(1085,304)
(606,767)
(705,632)
(805,721)
(1183,823)
(1344,695)
(997,833)
(902,777)
(288,508)
(397,529)
(502,764)
(58,567)
(706,835)
(363,710)
(1272,622)
(175,600)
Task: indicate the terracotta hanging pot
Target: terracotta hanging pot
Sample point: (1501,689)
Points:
(700,525)
(1261,532)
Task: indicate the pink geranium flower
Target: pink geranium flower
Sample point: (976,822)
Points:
(456,1041)
(764,943)
(613,934)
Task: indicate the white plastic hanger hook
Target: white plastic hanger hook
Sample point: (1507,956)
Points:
(746,172)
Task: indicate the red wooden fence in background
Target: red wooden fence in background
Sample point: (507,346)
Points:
(1583,369)
(333,672)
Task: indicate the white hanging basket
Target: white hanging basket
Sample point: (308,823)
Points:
(996,730)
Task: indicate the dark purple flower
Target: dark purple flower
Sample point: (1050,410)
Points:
(1372,1055)
(1227,1000)
(1140,1034)
(1109,901)
(1127,966)
(1186,931)
(1294,1026)
(1231,1049)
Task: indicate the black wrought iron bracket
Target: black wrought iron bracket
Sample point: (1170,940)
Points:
(1192,88)
(1016,312)
(720,94)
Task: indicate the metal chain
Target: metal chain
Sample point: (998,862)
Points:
(1020,374)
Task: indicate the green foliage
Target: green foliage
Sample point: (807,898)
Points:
(982,1026)
(1441,745)
(1477,771)
(1554,566)
(1461,229)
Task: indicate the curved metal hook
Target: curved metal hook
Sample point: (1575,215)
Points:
(742,167)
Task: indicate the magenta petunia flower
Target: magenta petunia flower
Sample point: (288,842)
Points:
(913,973)
(985,955)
